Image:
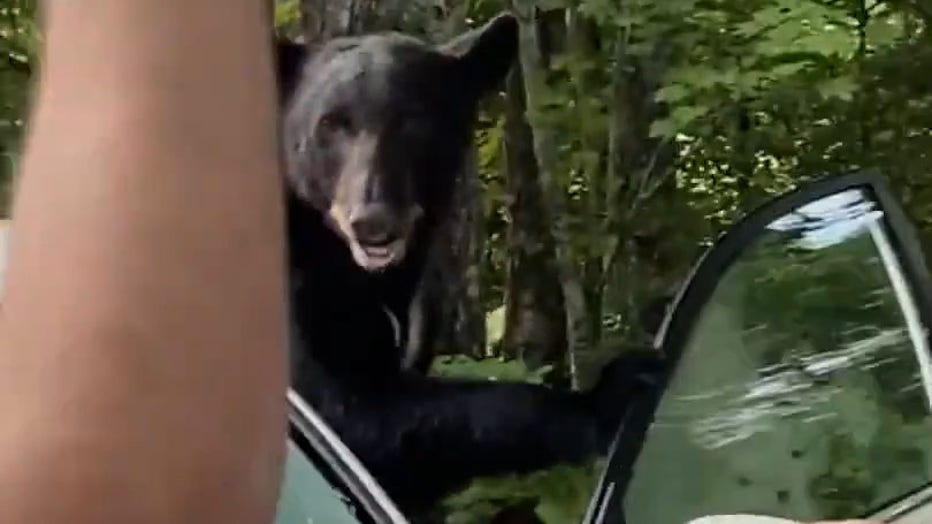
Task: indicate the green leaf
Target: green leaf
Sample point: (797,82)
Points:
(641,49)
(663,128)
(698,76)
(842,88)
(600,9)
(884,30)
(789,69)
(672,93)
(549,5)
(287,13)
(685,115)
(493,368)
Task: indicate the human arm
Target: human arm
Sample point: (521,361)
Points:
(142,341)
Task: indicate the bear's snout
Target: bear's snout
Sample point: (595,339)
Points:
(376,234)
(375,225)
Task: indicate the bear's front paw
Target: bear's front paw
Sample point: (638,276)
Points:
(623,380)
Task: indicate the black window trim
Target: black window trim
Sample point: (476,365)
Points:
(905,505)
(681,317)
(322,447)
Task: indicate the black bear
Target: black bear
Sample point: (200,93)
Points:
(375,129)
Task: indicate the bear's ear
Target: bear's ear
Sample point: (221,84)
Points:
(486,54)
(290,59)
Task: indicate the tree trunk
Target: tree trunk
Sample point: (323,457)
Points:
(326,19)
(535,318)
(583,42)
(453,285)
(534,70)
(456,281)
(639,171)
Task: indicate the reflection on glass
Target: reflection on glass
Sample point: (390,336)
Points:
(306,496)
(800,393)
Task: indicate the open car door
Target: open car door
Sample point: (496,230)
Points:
(324,481)
(801,373)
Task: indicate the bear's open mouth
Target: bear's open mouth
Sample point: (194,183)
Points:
(380,241)
(375,257)
(378,251)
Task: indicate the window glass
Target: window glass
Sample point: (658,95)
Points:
(801,388)
(306,496)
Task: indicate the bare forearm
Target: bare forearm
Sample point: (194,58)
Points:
(143,320)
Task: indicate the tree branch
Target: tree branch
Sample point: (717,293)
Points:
(645,188)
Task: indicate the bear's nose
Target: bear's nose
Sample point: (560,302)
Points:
(373,224)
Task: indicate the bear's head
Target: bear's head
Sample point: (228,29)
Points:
(376,129)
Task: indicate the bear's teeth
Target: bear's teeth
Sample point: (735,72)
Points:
(376,251)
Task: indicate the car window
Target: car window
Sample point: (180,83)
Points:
(803,386)
(324,481)
(307,497)
(914,509)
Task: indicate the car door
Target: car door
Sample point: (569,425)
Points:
(324,482)
(801,376)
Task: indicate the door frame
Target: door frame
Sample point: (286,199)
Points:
(321,446)
(699,286)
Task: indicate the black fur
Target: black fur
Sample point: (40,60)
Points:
(415,105)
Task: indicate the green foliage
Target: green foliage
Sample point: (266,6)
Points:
(755,97)
(494,368)
(287,18)
(19,46)
(558,495)
(748,51)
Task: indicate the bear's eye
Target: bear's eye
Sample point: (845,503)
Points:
(334,122)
